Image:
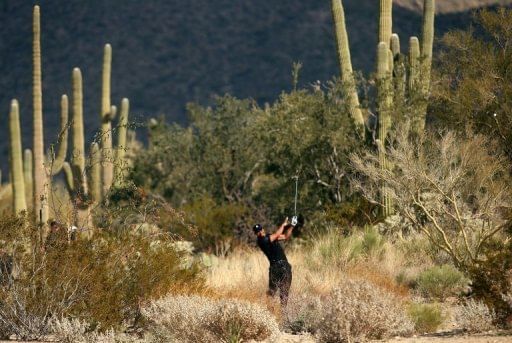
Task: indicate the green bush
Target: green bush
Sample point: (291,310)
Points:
(426,317)
(441,282)
(213,224)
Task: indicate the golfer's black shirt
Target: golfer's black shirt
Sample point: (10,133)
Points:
(273,250)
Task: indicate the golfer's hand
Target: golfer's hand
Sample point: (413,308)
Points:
(286,222)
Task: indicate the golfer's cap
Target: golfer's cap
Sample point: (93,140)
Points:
(257,228)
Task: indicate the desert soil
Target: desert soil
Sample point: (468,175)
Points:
(446,337)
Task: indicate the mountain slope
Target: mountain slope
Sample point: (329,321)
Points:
(170,52)
(451,6)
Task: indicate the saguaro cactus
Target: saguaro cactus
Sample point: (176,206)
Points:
(78,152)
(106,122)
(386,21)
(120,165)
(385,105)
(28,173)
(40,177)
(426,61)
(75,172)
(347,74)
(95,167)
(16,160)
(62,141)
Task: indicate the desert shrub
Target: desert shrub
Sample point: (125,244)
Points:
(77,331)
(441,282)
(475,316)
(357,311)
(372,242)
(303,313)
(426,317)
(104,279)
(199,319)
(336,247)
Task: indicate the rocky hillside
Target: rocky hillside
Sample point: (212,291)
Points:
(170,52)
(451,6)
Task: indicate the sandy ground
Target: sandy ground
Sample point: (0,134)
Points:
(447,337)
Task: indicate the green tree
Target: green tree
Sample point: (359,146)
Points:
(474,78)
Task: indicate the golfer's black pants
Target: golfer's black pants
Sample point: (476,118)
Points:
(280,278)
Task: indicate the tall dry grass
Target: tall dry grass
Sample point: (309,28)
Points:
(319,268)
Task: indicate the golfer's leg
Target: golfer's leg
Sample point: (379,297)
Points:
(285,284)
(272,282)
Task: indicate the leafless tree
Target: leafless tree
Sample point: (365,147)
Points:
(453,188)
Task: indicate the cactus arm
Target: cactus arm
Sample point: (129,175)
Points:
(40,182)
(395,45)
(120,164)
(18,184)
(106,124)
(78,156)
(347,74)
(414,61)
(28,172)
(386,21)
(63,136)
(95,168)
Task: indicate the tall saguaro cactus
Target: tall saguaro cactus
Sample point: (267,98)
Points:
(106,122)
(40,177)
(386,21)
(426,61)
(78,184)
(16,160)
(78,152)
(385,107)
(347,74)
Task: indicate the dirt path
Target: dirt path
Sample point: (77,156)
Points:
(499,337)
(446,337)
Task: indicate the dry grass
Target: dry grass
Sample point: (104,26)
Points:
(475,316)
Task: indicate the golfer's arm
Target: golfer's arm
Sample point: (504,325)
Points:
(288,232)
(278,233)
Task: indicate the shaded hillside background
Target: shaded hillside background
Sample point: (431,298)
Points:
(170,52)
